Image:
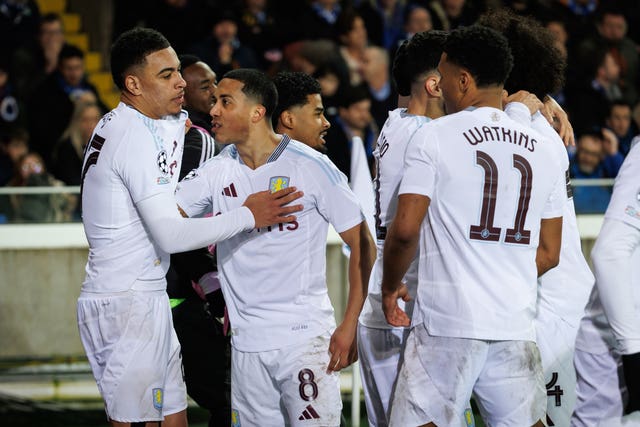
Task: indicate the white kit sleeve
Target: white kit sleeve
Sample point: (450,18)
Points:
(173,233)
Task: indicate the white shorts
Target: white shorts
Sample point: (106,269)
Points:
(556,341)
(289,386)
(134,354)
(439,374)
(600,395)
(379,353)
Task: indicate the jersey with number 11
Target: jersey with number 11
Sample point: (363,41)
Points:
(490,181)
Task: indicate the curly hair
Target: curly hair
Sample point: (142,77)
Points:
(539,66)
(131,49)
(293,89)
(417,57)
(482,51)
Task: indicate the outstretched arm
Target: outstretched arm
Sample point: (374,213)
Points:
(399,249)
(343,347)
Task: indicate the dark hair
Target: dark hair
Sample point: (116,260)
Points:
(416,57)
(69,51)
(538,66)
(50,17)
(345,22)
(257,86)
(131,49)
(293,89)
(481,51)
(188,60)
(353,94)
(609,8)
(619,103)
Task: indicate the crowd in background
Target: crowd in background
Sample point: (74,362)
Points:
(48,108)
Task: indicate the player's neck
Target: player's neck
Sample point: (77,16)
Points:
(257,148)
(141,107)
(483,97)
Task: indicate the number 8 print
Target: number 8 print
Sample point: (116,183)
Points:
(306,378)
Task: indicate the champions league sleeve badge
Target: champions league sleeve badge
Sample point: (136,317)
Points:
(277,183)
(162,162)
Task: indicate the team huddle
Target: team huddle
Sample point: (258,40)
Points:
(473,287)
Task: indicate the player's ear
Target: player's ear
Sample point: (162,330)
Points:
(132,84)
(258,113)
(432,87)
(464,80)
(286,119)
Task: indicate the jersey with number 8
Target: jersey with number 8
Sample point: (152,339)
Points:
(490,181)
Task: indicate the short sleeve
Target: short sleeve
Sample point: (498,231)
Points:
(420,163)
(335,200)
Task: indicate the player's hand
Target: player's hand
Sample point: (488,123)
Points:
(395,315)
(341,346)
(269,208)
(560,121)
(528,99)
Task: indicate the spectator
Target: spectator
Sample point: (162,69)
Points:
(319,20)
(60,89)
(222,50)
(612,29)
(417,19)
(18,23)
(10,106)
(56,207)
(596,156)
(31,64)
(68,152)
(620,122)
(588,100)
(328,75)
(375,71)
(15,144)
(353,121)
(352,37)
(384,21)
(451,14)
(259,29)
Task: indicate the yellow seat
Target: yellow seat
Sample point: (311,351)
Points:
(93,62)
(56,6)
(80,40)
(71,22)
(102,81)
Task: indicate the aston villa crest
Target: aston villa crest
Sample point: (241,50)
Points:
(277,183)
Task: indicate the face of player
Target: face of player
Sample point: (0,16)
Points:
(449,74)
(309,123)
(620,119)
(232,113)
(72,70)
(201,87)
(161,84)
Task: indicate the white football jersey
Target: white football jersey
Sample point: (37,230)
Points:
(564,290)
(489,183)
(389,154)
(130,157)
(595,334)
(274,278)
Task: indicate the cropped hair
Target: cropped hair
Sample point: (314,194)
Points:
(187,60)
(257,86)
(293,89)
(131,49)
(481,51)
(416,57)
(70,51)
(539,66)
